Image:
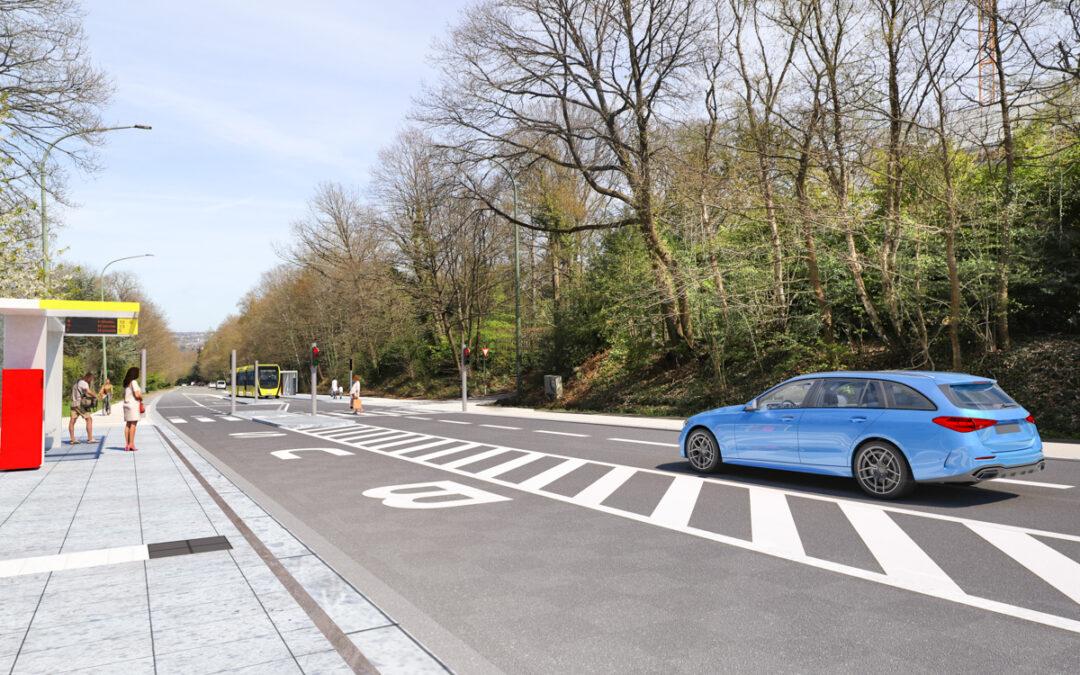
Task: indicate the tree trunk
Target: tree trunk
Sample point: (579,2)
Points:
(808,226)
(1001,308)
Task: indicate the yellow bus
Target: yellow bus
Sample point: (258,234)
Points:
(269,380)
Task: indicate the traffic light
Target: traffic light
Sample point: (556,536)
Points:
(466,355)
(315,354)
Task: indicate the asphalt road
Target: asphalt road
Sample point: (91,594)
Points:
(592,548)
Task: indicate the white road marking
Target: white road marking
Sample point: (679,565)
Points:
(447,451)
(553,474)
(910,582)
(414,417)
(677,504)
(371,442)
(634,440)
(506,467)
(454,422)
(230,418)
(1056,569)
(178,420)
(425,446)
(412,499)
(895,551)
(603,487)
(73,561)
(771,524)
(1033,483)
(478,457)
(368,435)
(499,426)
(203,419)
(257,434)
(409,438)
(291,454)
(560,433)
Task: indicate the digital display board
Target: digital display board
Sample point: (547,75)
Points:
(77,325)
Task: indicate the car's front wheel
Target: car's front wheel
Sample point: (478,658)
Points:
(882,471)
(703,451)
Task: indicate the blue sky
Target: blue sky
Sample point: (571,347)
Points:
(252,104)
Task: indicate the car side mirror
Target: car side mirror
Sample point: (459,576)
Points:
(751,406)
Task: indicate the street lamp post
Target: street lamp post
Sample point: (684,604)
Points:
(41,174)
(517,281)
(101,286)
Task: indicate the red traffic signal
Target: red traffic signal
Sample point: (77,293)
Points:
(315,354)
(466,354)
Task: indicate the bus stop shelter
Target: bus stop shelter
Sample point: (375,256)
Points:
(34,331)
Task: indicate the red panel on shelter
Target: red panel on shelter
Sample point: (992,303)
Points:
(22,419)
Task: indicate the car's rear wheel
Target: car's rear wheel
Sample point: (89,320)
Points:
(703,451)
(882,471)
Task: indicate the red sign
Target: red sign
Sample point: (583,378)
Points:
(484,351)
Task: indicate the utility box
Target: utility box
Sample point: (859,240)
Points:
(553,387)
(288,382)
(22,429)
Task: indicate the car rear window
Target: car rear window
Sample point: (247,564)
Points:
(978,396)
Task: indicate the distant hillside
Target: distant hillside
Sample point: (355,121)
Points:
(191,341)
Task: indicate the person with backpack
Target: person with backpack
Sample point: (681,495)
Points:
(133,407)
(83,400)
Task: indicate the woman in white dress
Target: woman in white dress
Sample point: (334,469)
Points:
(132,407)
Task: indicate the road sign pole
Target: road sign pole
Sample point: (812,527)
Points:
(314,400)
(464,381)
(349,382)
(142,370)
(256,388)
(232,368)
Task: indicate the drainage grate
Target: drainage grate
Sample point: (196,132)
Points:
(165,549)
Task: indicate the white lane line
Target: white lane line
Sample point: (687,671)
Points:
(553,474)
(634,440)
(677,504)
(1033,483)
(408,438)
(454,422)
(506,467)
(478,457)
(414,417)
(499,426)
(560,433)
(425,446)
(230,418)
(771,524)
(257,434)
(203,419)
(448,451)
(1056,569)
(896,552)
(602,488)
(178,420)
(73,561)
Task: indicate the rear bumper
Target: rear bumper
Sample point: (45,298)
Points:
(994,471)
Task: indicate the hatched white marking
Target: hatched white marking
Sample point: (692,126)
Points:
(178,420)
(1032,483)
(499,426)
(895,551)
(604,486)
(407,438)
(447,451)
(677,504)
(365,436)
(771,524)
(425,446)
(480,456)
(506,467)
(1047,563)
(553,474)
(634,440)
(291,454)
(560,433)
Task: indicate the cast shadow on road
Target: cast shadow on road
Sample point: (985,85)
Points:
(926,494)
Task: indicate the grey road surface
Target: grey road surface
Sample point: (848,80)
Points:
(589,548)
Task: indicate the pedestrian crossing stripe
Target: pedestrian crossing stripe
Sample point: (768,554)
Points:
(774,530)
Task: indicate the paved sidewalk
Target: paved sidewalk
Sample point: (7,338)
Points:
(117,562)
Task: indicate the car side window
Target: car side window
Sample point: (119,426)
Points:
(790,395)
(841,393)
(904,397)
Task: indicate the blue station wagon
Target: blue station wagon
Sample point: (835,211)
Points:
(887,429)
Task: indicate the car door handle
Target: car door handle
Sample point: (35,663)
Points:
(858,419)
(787,418)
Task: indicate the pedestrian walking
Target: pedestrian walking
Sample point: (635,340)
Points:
(105,396)
(133,407)
(82,405)
(354,396)
(333,388)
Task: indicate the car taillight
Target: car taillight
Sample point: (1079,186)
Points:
(1030,419)
(964,424)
